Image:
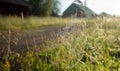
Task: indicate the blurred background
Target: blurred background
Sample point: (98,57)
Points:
(55,7)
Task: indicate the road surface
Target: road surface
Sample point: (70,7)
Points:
(23,40)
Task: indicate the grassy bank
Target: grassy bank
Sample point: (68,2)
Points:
(95,47)
(17,23)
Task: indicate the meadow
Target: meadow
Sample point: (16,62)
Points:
(93,46)
(18,23)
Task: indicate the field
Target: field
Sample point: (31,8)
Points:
(17,23)
(89,45)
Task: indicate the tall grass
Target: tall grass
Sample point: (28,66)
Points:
(94,46)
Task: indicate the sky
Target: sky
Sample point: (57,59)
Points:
(109,6)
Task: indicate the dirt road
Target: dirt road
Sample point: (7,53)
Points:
(22,40)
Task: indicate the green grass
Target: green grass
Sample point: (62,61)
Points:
(96,47)
(17,23)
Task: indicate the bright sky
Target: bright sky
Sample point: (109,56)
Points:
(98,6)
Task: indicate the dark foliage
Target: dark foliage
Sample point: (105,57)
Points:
(44,7)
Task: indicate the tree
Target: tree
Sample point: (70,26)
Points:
(56,9)
(104,14)
(43,7)
(48,7)
(36,7)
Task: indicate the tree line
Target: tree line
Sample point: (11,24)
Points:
(44,7)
